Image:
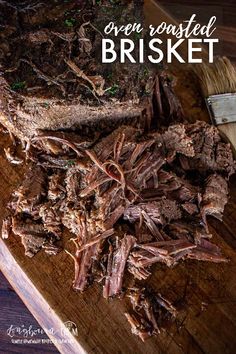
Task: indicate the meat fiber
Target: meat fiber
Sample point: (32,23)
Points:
(33,235)
(210,152)
(214,197)
(83,264)
(116,267)
(161,212)
(72,184)
(159,252)
(151,312)
(29,195)
(168,105)
(177,141)
(56,190)
(85,257)
(51,219)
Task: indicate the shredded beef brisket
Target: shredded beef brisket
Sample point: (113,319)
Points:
(130,200)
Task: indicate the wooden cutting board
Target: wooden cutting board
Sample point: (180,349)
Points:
(205,293)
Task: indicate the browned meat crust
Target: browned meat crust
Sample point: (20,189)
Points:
(32,234)
(215,197)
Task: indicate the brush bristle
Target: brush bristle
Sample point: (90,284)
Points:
(216,78)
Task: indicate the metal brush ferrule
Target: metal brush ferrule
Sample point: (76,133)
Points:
(222,108)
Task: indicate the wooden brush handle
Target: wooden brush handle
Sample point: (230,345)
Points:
(151,9)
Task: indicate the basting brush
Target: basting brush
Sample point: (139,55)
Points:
(218,80)
(218,84)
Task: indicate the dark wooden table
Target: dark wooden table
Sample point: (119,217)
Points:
(12,311)
(225,12)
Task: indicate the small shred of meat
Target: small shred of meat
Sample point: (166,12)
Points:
(177,141)
(151,312)
(215,197)
(139,326)
(30,194)
(170,108)
(51,249)
(72,184)
(56,190)
(145,255)
(114,279)
(33,235)
(190,208)
(206,251)
(51,219)
(83,264)
(140,273)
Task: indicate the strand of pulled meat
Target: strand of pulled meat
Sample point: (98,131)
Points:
(96,239)
(61,140)
(102,166)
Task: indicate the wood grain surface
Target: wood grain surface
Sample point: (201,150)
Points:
(204,293)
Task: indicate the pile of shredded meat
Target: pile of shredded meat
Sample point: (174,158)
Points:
(130,200)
